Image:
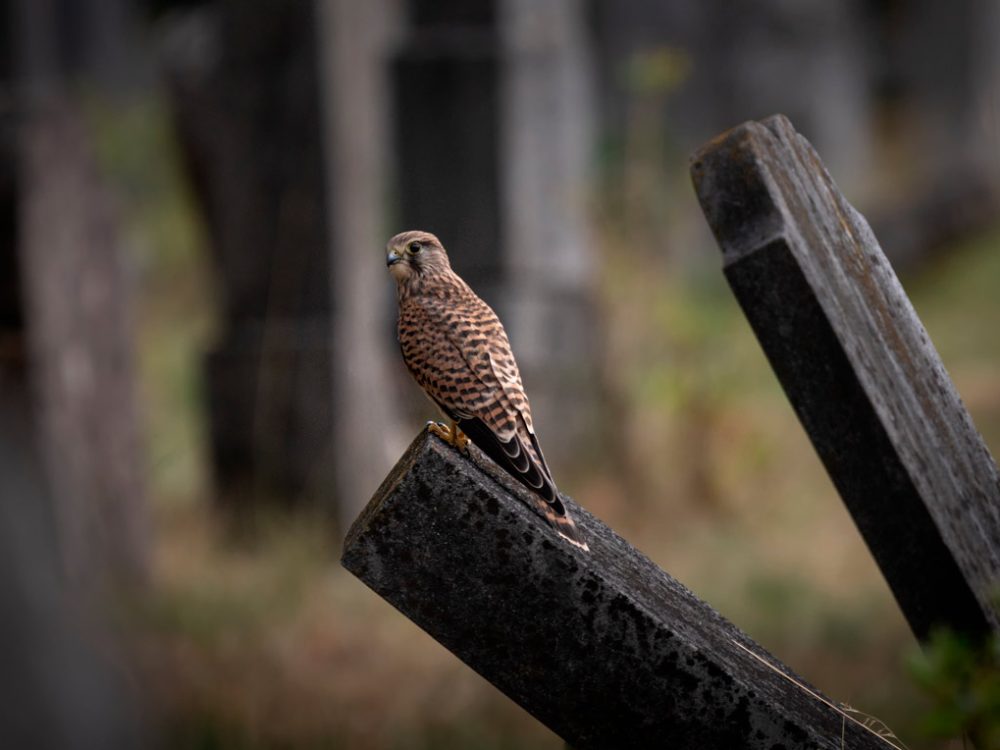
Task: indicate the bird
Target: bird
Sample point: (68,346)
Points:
(457,350)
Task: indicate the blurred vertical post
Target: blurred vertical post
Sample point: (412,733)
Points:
(243,79)
(550,263)
(353,39)
(940,86)
(949,67)
(446,127)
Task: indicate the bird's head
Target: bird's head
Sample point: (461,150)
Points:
(414,254)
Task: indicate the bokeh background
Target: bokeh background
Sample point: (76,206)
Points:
(199,381)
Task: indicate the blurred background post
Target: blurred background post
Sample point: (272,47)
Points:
(200,385)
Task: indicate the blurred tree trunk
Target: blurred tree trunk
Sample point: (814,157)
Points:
(72,519)
(243,78)
(76,296)
(80,325)
(353,41)
(57,688)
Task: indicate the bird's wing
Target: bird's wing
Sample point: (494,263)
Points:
(471,374)
(490,405)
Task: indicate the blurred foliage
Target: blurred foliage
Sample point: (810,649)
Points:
(962,679)
(137,148)
(658,70)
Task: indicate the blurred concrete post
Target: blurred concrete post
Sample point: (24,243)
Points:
(353,41)
(549,257)
(446,98)
(949,66)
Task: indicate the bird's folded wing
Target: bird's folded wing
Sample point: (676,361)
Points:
(491,407)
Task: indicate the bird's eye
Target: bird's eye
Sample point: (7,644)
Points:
(415,247)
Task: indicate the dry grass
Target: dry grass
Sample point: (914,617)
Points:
(274,645)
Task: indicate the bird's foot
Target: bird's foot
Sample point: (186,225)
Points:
(440,429)
(461,440)
(451,434)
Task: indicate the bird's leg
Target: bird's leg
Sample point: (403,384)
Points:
(451,434)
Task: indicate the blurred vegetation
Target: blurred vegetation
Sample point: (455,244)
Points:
(138,150)
(962,679)
(272,645)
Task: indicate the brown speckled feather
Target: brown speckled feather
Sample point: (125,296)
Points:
(458,352)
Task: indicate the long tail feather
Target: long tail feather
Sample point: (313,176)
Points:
(547,500)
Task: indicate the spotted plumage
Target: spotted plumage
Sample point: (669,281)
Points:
(458,352)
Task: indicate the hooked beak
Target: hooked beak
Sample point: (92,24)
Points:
(392,258)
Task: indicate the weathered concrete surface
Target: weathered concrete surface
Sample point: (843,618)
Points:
(860,371)
(603,647)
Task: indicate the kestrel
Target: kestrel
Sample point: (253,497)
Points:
(458,352)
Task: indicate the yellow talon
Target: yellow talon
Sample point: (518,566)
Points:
(439,429)
(451,434)
(461,439)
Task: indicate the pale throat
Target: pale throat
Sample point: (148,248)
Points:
(400,271)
